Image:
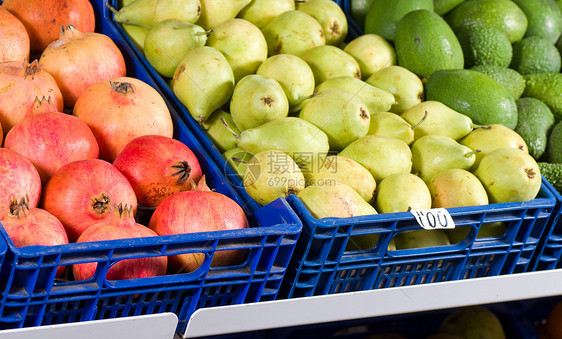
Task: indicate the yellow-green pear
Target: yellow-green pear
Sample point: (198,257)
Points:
(148,13)
(137,34)
(372,53)
(376,99)
(270,175)
(330,16)
(406,87)
(390,124)
(203,81)
(215,12)
(223,139)
(421,238)
(261,12)
(238,159)
(338,201)
(457,188)
(402,192)
(293,32)
(367,242)
(473,322)
(490,229)
(242,44)
(328,62)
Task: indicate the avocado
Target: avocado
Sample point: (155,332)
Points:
(383,15)
(474,94)
(547,87)
(535,55)
(484,45)
(502,14)
(510,78)
(443,7)
(534,122)
(552,173)
(425,43)
(544,18)
(554,147)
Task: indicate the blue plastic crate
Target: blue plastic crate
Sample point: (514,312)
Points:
(30,295)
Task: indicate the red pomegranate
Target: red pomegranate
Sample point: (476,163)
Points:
(14,44)
(18,179)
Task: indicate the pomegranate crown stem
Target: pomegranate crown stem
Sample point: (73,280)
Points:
(31,68)
(123,210)
(19,208)
(121,87)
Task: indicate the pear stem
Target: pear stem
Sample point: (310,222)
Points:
(419,122)
(204,33)
(469,154)
(239,160)
(236,135)
(111,8)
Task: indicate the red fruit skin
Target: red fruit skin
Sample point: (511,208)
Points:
(117,117)
(199,211)
(43,18)
(18,178)
(51,140)
(147,162)
(14,45)
(69,194)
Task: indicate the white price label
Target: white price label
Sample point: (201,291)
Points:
(435,218)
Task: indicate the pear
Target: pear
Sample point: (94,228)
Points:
(148,13)
(432,154)
(337,201)
(137,34)
(256,100)
(486,230)
(509,175)
(341,115)
(203,81)
(270,175)
(167,43)
(490,137)
(406,87)
(238,159)
(261,12)
(402,192)
(433,117)
(328,62)
(421,238)
(391,125)
(215,12)
(367,242)
(457,188)
(335,168)
(473,322)
(242,43)
(330,16)
(376,99)
(382,156)
(293,32)
(372,53)
(221,137)
(293,74)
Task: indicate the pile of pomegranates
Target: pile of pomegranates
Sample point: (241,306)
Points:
(84,146)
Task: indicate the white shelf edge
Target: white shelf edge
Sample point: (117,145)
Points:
(365,304)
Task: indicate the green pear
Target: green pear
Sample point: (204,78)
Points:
(148,13)
(261,12)
(270,175)
(203,81)
(293,32)
(300,139)
(421,238)
(473,322)
(486,230)
(337,201)
(221,137)
(402,192)
(372,53)
(376,99)
(490,137)
(509,175)
(434,118)
(335,168)
(330,16)
(256,100)
(294,75)
(382,156)
(167,43)
(238,159)
(390,124)
(341,115)
(215,12)
(432,154)
(242,44)
(328,62)
(367,242)
(137,34)
(406,87)
(456,188)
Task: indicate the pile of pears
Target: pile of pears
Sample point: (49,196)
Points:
(296,108)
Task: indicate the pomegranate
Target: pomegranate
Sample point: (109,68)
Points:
(18,179)
(14,45)
(199,211)
(29,226)
(82,193)
(121,110)
(22,86)
(122,225)
(50,140)
(43,18)
(157,167)
(79,59)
